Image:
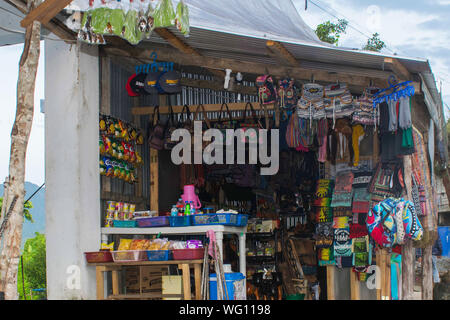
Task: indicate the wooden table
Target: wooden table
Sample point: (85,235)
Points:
(115,267)
(219,231)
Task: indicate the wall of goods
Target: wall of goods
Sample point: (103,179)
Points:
(337,200)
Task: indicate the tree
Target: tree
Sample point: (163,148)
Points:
(374,43)
(15,182)
(26,212)
(331,32)
(34,266)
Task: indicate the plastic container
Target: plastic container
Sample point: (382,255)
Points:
(124,224)
(188,254)
(158,255)
(230,279)
(227,219)
(153,222)
(129,255)
(242,220)
(181,221)
(98,257)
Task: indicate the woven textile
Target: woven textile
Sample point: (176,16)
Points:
(324,235)
(324,188)
(342,243)
(361,200)
(344,182)
(342,199)
(340,222)
(324,214)
(358,231)
(342,212)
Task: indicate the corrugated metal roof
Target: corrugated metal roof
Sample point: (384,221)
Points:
(311,56)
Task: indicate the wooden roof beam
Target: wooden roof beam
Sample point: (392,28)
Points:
(252,67)
(179,44)
(398,68)
(44,12)
(280,51)
(55,26)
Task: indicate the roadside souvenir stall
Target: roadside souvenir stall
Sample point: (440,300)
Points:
(346,135)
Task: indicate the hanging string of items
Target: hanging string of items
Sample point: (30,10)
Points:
(132,20)
(117,145)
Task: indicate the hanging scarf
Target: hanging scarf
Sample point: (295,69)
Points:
(357,137)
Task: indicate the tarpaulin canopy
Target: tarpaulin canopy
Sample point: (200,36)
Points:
(270,19)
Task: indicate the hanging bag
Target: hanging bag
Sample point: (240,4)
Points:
(266,90)
(186,124)
(156,131)
(171,126)
(224,125)
(206,124)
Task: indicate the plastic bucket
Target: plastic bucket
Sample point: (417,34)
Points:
(230,279)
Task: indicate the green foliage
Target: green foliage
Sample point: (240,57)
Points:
(331,32)
(26,212)
(374,43)
(34,267)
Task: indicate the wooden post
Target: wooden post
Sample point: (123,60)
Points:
(115,282)
(408,255)
(427,274)
(100,282)
(330,282)
(186,280)
(198,281)
(354,286)
(105,104)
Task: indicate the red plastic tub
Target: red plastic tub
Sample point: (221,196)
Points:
(188,254)
(98,257)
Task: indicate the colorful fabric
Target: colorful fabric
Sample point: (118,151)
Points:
(340,223)
(396,276)
(361,179)
(383,222)
(385,181)
(343,199)
(342,243)
(357,136)
(421,169)
(344,182)
(324,188)
(342,212)
(326,256)
(361,200)
(322,202)
(358,231)
(324,235)
(344,261)
(324,214)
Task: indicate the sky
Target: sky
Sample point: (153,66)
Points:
(418,29)
(410,28)
(35,162)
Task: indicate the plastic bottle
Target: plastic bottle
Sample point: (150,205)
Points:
(187,209)
(192,208)
(174,211)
